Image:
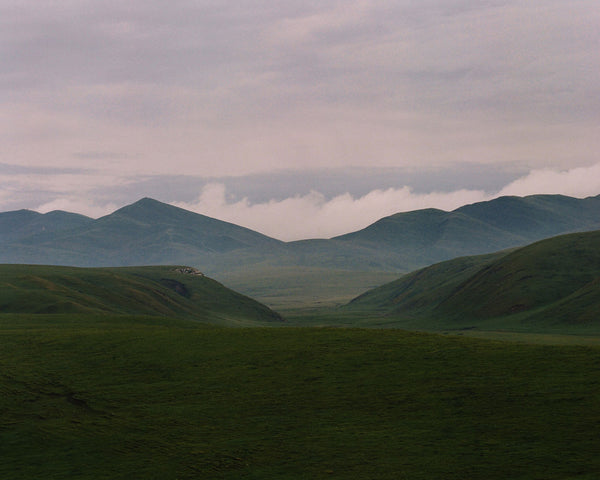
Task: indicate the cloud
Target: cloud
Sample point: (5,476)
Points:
(292,31)
(45,190)
(221,88)
(76,204)
(314,216)
(577,182)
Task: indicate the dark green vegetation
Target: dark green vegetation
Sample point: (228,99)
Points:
(150,232)
(120,398)
(121,373)
(551,285)
(178,292)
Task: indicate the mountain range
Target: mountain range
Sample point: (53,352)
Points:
(149,232)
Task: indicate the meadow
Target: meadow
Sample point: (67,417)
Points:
(119,397)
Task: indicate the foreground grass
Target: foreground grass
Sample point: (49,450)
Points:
(123,397)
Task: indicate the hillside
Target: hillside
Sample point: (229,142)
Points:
(554,282)
(178,292)
(149,232)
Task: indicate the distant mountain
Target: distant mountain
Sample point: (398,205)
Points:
(149,232)
(145,233)
(556,280)
(168,291)
(20,224)
(425,236)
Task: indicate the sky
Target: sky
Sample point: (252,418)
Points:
(298,119)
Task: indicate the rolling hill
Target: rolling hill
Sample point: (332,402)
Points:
(551,282)
(149,232)
(167,291)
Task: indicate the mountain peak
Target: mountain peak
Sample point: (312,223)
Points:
(148,201)
(148,209)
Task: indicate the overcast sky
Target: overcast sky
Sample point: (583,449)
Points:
(296,118)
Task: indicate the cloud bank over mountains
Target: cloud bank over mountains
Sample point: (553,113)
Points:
(316,215)
(203,104)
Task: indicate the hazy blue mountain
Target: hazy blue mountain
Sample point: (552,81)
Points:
(21,224)
(146,232)
(426,236)
(150,232)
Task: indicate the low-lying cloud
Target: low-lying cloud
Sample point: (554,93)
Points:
(315,216)
(576,182)
(320,213)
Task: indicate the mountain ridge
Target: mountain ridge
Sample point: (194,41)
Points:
(149,232)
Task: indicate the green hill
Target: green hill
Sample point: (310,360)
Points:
(551,283)
(149,232)
(178,292)
(402,243)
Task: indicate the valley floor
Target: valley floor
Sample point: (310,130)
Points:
(140,397)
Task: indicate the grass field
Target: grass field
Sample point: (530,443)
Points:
(121,397)
(290,288)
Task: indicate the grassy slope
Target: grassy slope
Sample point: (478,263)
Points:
(421,291)
(551,284)
(529,278)
(128,399)
(150,232)
(127,290)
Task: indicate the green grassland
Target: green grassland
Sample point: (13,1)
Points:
(119,397)
(167,291)
(119,373)
(291,288)
(551,286)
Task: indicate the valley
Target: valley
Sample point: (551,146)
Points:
(359,367)
(150,232)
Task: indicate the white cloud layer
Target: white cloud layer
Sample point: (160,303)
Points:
(577,182)
(314,216)
(297,216)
